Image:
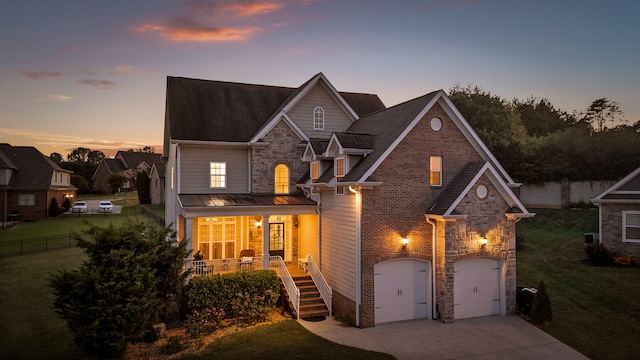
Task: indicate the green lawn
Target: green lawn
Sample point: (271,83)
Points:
(596,310)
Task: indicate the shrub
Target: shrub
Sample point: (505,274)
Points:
(119,292)
(599,255)
(249,295)
(54,209)
(174,345)
(541,312)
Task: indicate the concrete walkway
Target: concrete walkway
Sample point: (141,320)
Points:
(491,337)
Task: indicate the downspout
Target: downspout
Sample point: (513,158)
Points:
(358,193)
(434,306)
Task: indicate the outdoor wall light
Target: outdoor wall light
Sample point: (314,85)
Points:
(483,241)
(405,242)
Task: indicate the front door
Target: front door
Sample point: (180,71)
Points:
(276,239)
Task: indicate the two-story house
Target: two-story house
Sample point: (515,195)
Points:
(28,183)
(405,211)
(127,164)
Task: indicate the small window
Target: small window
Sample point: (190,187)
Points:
(340,167)
(26,199)
(314,171)
(631,226)
(435,171)
(282,179)
(218,175)
(318,118)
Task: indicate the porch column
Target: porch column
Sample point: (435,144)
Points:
(265,241)
(188,232)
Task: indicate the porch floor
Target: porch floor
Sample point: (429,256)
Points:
(295,271)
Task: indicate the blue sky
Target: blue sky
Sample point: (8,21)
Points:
(93,73)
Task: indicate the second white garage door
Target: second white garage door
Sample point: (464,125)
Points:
(401,290)
(476,287)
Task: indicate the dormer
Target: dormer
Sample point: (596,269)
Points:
(347,149)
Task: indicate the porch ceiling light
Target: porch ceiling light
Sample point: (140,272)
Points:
(483,241)
(405,242)
(258,224)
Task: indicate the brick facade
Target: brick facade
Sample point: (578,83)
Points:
(397,209)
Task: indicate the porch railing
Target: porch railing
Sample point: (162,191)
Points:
(323,287)
(276,263)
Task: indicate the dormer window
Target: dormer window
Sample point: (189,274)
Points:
(314,171)
(282,179)
(318,118)
(340,167)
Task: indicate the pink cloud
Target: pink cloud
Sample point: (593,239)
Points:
(100,84)
(252,8)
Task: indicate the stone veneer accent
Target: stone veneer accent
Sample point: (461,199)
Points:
(284,147)
(611,217)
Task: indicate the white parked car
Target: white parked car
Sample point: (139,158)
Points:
(79,207)
(105,206)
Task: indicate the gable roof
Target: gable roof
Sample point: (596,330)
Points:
(205,110)
(627,190)
(132,159)
(446,203)
(32,170)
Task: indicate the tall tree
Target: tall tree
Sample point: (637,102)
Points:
(602,110)
(539,116)
(56,158)
(142,184)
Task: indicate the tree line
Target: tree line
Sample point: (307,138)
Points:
(537,142)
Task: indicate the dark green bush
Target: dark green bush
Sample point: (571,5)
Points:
(249,295)
(174,345)
(54,209)
(541,311)
(116,295)
(599,255)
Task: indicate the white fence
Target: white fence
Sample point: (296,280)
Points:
(561,194)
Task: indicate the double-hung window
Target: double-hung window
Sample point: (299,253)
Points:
(218,175)
(435,171)
(26,199)
(631,226)
(315,171)
(318,118)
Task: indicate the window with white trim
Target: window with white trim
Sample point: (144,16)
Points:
(435,171)
(281,179)
(631,226)
(340,167)
(218,174)
(26,199)
(315,169)
(318,118)
(217,237)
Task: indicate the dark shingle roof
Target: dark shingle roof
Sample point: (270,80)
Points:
(450,193)
(386,125)
(319,145)
(132,159)
(356,141)
(205,110)
(32,170)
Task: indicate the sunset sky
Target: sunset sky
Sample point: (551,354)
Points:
(93,73)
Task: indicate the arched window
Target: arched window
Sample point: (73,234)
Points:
(282,179)
(318,118)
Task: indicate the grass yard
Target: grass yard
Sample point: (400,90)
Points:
(596,310)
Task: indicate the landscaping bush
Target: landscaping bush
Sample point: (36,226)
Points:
(247,295)
(116,295)
(54,209)
(597,254)
(541,312)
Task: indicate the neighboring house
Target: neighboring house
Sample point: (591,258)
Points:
(156,183)
(405,211)
(28,183)
(619,219)
(126,163)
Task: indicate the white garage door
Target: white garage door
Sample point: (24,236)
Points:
(401,290)
(476,289)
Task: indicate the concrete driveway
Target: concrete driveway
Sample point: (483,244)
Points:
(491,337)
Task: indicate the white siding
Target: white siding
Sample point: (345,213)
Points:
(170,194)
(339,242)
(335,119)
(195,166)
(308,236)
